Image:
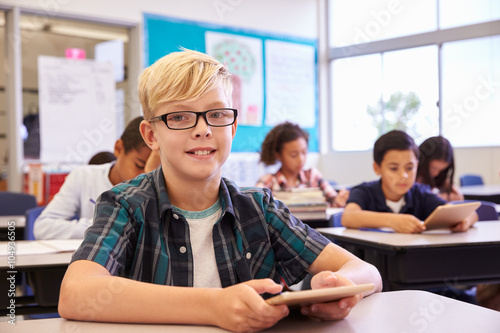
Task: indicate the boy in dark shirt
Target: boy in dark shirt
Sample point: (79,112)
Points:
(372,205)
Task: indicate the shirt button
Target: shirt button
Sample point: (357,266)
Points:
(249,255)
(182,249)
(176,216)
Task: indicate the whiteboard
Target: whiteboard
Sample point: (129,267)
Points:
(78,116)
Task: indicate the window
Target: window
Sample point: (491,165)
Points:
(426,67)
(471,92)
(456,13)
(355,23)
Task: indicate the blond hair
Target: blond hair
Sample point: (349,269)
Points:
(178,76)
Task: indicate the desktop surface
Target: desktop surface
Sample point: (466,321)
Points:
(483,232)
(487,192)
(432,259)
(401,311)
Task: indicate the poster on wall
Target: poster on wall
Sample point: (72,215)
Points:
(290,83)
(77,109)
(243,56)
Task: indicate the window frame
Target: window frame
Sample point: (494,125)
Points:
(437,38)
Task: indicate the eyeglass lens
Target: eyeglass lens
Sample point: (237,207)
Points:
(187,119)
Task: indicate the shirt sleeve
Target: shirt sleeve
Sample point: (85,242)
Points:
(60,219)
(109,241)
(295,244)
(360,195)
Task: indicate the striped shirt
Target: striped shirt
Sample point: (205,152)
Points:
(307,178)
(137,234)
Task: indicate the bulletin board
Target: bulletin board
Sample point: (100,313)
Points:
(274,76)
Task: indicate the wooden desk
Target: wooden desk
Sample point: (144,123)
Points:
(400,311)
(20,222)
(490,192)
(431,259)
(44,272)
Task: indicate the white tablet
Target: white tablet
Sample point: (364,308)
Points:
(305,297)
(446,216)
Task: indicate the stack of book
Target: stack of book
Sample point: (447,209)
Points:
(304,203)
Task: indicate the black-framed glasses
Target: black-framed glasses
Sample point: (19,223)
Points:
(181,120)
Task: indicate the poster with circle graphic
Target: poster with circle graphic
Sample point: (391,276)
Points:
(243,56)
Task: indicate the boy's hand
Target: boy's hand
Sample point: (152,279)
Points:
(465,224)
(240,308)
(335,310)
(341,198)
(406,223)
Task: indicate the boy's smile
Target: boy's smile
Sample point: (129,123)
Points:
(398,171)
(202,152)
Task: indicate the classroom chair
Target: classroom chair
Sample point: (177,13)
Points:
(471,179)
(31,215)
(336,220)
(486,212)
(13,203)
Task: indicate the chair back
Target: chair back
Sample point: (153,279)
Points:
(470,179)
(13,203)
(486,212)
(336,219)
(31,215)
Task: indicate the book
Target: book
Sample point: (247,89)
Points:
(311,215)
(300,196)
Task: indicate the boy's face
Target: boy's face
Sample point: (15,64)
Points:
(293,156)
(194,154)
(128,165)
(397,171)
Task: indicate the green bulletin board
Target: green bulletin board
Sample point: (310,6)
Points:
(274,76)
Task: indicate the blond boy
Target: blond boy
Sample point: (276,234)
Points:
(185,226)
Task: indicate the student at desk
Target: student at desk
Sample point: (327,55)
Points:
(436,168)
(287,143)
(82,186)
(372,205)
(183,225)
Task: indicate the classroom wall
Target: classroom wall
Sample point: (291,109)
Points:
(262,15)
(292,17)
(300,18)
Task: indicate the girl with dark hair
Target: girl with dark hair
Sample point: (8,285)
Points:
(288,143)
(436,168)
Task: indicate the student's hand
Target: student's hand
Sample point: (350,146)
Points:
(335,310)
(406,223)
(341,198)
(240,307)
(454,195)
(465,224)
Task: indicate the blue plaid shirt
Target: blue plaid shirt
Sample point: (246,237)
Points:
(137,234)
